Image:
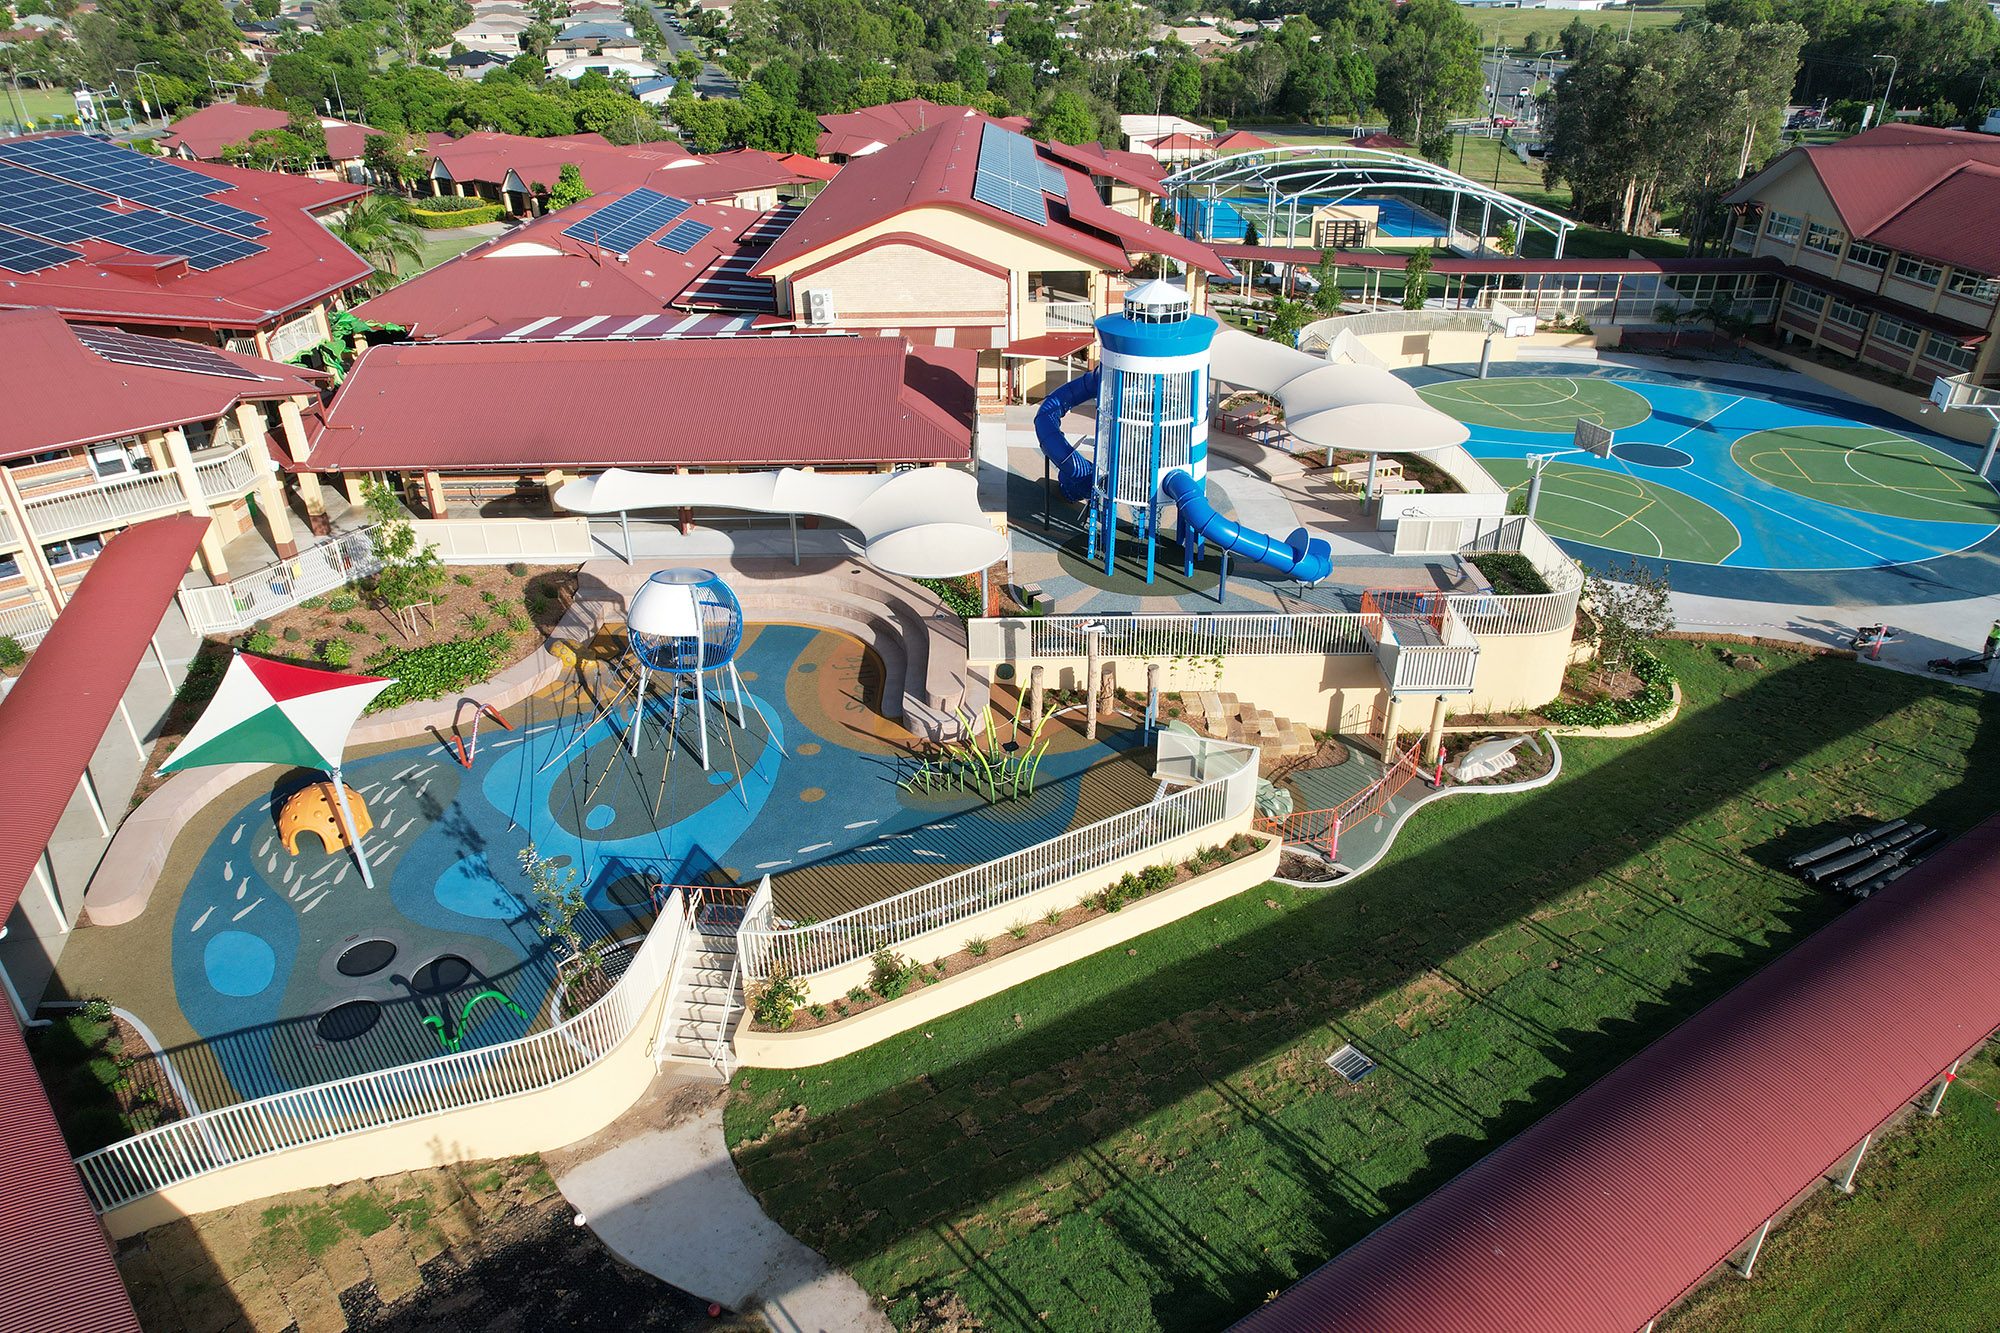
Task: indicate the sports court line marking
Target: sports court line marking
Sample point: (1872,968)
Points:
(1958,487)
(1874,558)
(1706,422)
(1660,547)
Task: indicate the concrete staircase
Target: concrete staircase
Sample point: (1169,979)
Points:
(706,1000)
(1226,717)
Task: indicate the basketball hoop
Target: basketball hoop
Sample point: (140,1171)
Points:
(1592,438)
(1509,322)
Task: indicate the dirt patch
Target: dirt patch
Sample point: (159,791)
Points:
(1306,868)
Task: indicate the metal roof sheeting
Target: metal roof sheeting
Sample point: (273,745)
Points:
(745,402)
(1613,1206)
(56,1270)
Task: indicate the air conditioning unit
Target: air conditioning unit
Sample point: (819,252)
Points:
(819,305)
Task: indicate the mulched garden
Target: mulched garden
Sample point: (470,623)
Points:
(103,1080)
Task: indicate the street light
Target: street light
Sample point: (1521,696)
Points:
(138,73)
(1882,116)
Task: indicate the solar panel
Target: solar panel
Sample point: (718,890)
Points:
(25,254)
(1012,177)
(624,222)
(133,176)
(132,349)
(684,237)
(58,211)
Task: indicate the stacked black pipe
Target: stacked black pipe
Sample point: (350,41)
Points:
(1858,864)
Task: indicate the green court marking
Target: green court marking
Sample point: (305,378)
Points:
(1551,404)
(1868,469)
(1621,512)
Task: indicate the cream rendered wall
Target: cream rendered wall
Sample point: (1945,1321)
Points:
(527,1122)
(890,284)
(961,231)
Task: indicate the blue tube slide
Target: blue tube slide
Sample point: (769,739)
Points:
(1073,470)
(1305,558)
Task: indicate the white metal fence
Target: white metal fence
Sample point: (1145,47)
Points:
(1227,774)
(184,1149)
(1274,634)
(25,624)
(262,593)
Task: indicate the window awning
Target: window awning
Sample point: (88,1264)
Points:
(1049,346)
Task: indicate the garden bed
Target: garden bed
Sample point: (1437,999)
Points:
(778,1006)
(482,618)
(105,1082)
(1592,696)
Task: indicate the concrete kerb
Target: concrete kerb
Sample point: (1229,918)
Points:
(1621,731)
(1396,829)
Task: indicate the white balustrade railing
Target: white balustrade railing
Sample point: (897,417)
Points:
(226,476)
(1068,316)
(1278,633)
(184,1149)
(1523,613)
(25,624)
(1227,790)
(100,505)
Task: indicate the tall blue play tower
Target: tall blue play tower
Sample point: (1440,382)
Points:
(1152,390)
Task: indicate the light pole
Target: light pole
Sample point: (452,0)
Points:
(337,93)
(138,73)
(1882,116)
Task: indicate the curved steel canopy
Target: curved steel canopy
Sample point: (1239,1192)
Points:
(1337,174)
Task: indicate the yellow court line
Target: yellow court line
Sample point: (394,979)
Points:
(1631,489)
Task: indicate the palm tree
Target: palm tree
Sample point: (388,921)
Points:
(374,229)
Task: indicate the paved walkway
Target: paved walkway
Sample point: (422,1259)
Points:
(659,1189)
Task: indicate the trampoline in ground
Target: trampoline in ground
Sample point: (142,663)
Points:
(1728,479)
(261,971)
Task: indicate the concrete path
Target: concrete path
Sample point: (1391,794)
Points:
(1922,631)
(658,1188)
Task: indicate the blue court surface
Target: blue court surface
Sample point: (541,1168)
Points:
(1704,474)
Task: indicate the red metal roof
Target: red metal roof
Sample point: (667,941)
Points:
(52,719)
(1611,1207)
(205,133)
(535,272)
(857,133)
(1890,177)
(743,402)
(56,1269)
(100,399)
(1966,335)
(936,167)
(612,169)
(1049,345)
(1134,169)
(1238,141)
(301,262)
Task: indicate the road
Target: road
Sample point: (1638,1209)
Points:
(1508,76)
(714,80)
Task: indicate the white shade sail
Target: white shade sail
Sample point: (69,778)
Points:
(924,523)
(1363,408)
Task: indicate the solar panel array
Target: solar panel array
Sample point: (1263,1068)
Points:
(135,177)
(1012,177)
(624,222)
(771,226)
(25,254)
(56,210)
(684,237)
(727,285)
(132,349)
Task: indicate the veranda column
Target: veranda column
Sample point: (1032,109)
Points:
(1434,739)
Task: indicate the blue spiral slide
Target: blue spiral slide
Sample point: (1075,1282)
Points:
(1300,556)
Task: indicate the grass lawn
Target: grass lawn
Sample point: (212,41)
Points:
(439,246)
(1512,26)
(1149,1139)
(38,104)
(1911,1248)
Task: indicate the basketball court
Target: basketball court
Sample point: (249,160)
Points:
(1694,474)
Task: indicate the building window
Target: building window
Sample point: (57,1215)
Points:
(117,458)
(1866,254)
(1848,313)
(10,568)
(1898,333)
(1911,269)
(1809,299)
(37,460)
(1824,239)
(1782,228)
(1945,352)
(1972,286)
(294,336)
(71,551)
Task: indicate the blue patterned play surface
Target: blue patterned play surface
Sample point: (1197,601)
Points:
(265,943)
